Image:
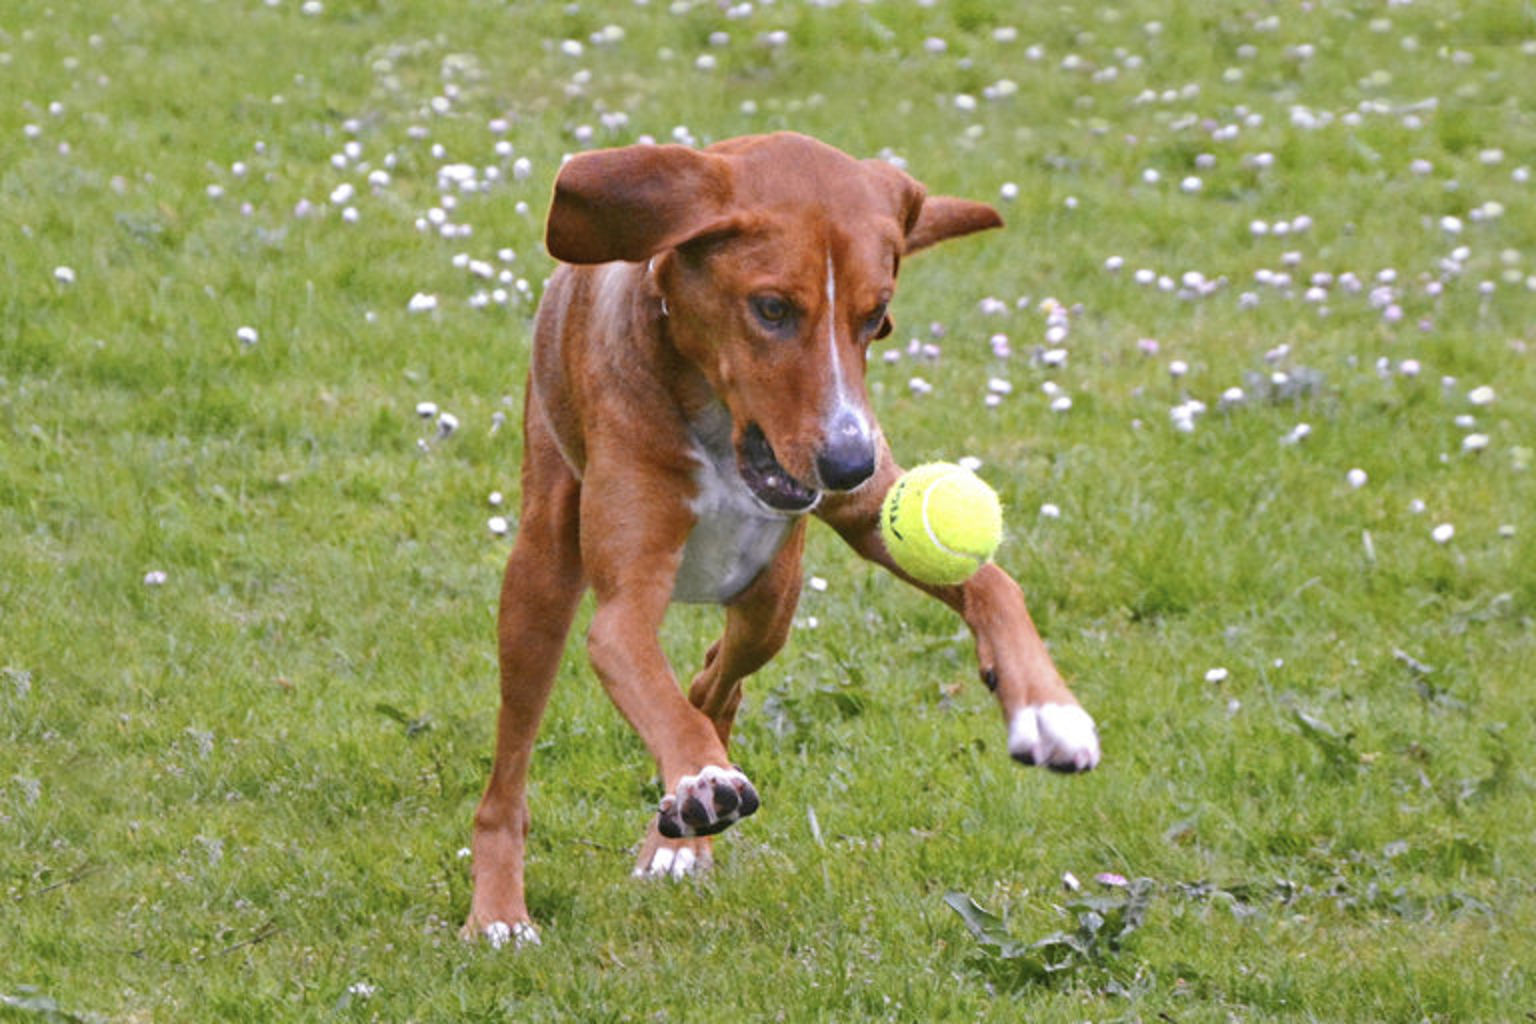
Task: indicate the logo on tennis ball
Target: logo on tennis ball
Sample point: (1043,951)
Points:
(941,523)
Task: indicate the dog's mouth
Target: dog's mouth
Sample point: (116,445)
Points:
(769,482)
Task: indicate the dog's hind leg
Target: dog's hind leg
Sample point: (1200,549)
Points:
(756,625)
(540,591)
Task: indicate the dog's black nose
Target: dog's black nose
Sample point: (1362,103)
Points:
(848,457)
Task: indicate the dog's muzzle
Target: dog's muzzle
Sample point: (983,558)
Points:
(768,481)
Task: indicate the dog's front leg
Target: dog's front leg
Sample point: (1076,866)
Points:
(757,622)
(705,794)
(1046,725)
(632,549)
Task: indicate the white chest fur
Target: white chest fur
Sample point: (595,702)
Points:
(735,535)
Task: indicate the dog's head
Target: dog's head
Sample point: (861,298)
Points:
(775,258)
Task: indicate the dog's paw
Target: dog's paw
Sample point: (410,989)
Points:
(499,933)
(706,803)
(1060,736)
(673,859)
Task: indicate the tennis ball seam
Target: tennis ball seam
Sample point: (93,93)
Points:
(928,498)
(928,526)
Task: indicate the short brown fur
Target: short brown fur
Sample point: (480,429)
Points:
(658,349)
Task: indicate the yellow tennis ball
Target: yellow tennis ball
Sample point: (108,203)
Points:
(941,523)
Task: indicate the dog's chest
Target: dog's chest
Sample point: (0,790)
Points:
(734,537)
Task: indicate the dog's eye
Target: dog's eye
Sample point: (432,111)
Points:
(878,324)
(774,312)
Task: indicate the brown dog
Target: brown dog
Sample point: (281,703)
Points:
(697,389)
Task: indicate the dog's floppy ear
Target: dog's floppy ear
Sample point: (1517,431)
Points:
(927,220)
(944,217)
(631,203)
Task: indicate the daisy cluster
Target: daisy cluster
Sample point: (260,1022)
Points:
(447,155)
(1465,275)
(490,272)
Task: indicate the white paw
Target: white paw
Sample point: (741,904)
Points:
(1059,736)
(499,933)
(671,862)
(706,803)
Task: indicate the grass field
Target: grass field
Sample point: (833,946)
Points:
(247,593)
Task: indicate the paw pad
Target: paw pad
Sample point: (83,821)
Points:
(706,803)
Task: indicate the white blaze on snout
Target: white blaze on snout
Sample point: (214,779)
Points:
(846,412)
(839,385)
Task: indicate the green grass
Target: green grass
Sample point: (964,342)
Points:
(241,794)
